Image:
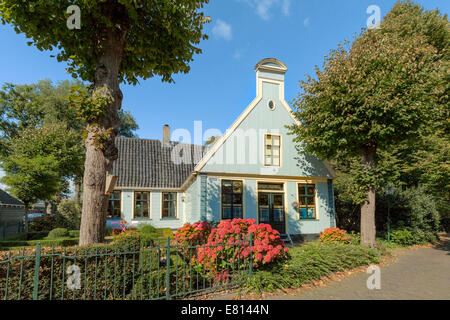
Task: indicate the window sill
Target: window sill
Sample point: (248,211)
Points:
(308,219)
(170,218)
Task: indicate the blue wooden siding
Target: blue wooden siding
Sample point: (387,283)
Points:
(259,121)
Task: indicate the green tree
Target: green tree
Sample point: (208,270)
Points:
(373,96)
(119,41)
(42,103)
(31,179)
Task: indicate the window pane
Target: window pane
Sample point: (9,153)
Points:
(270,186)
(237,212)
(268,140)
(301,189)
(227,186)
(276,151)
(145,210)
(276,161)
(263,199)
(263,215)
(268,161)
(237,186)
(137,195)
(276,140)
(278,215)
(310,201)
(302,201)
(310,189)
(226,198)
(226,212)
(165,211)
(237,198)
(278,200)
(145,196)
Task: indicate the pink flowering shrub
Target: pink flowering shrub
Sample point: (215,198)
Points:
(196,233)
(225,247)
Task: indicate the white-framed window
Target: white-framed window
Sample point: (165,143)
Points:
(232,199)
(114,204)
(169,205)
(141,204)
(272,150)
(307,201)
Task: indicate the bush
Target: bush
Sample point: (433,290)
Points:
(225,245)
(74,233)
(34,243)
(196,233)
(18,236)
(146,228)
(133,240)
(58,233)
(47,223)
(310,262)
(408,237)
(445,223)
(70,210)
(334,235)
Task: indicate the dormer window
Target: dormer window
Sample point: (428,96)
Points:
(272,146)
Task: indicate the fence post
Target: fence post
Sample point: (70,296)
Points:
(168,269)
(251,256)
(36,271)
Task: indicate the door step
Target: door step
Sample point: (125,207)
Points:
(286,238)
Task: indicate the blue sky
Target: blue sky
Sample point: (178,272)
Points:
(222,81)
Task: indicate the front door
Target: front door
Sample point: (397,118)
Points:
(271,210)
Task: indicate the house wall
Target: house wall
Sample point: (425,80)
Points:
(11,219)
(248,137)
(294,225)
(127,210)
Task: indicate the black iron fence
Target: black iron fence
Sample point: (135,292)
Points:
(168,271)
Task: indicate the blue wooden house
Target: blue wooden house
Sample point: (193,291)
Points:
(254,170)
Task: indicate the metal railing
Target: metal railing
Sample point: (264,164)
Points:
(107,272)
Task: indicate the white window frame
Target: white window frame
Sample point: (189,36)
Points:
(271,150)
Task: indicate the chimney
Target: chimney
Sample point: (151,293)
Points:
(166,134)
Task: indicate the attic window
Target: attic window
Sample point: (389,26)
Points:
(271,105)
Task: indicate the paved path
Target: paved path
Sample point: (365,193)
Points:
(423,273)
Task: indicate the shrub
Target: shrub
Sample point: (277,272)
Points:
(409,236)
(146,228)
(445,223)
(225,245)
(107,276)
(70,210)
(310,262)
(334,235)
(18,236)
(44,243)
(402,237)
(47,223)
(58,233)
(74,233)
(196,233)
(133,240)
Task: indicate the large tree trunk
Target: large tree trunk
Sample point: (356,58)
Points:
(368,228)
(100,154)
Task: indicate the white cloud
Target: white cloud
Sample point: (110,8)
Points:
(265,8)
(222,30)
(306,22)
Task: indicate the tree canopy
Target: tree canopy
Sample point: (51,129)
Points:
(161,35)
(375,96)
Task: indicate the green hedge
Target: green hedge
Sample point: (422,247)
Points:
(44,243)
(310,262)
